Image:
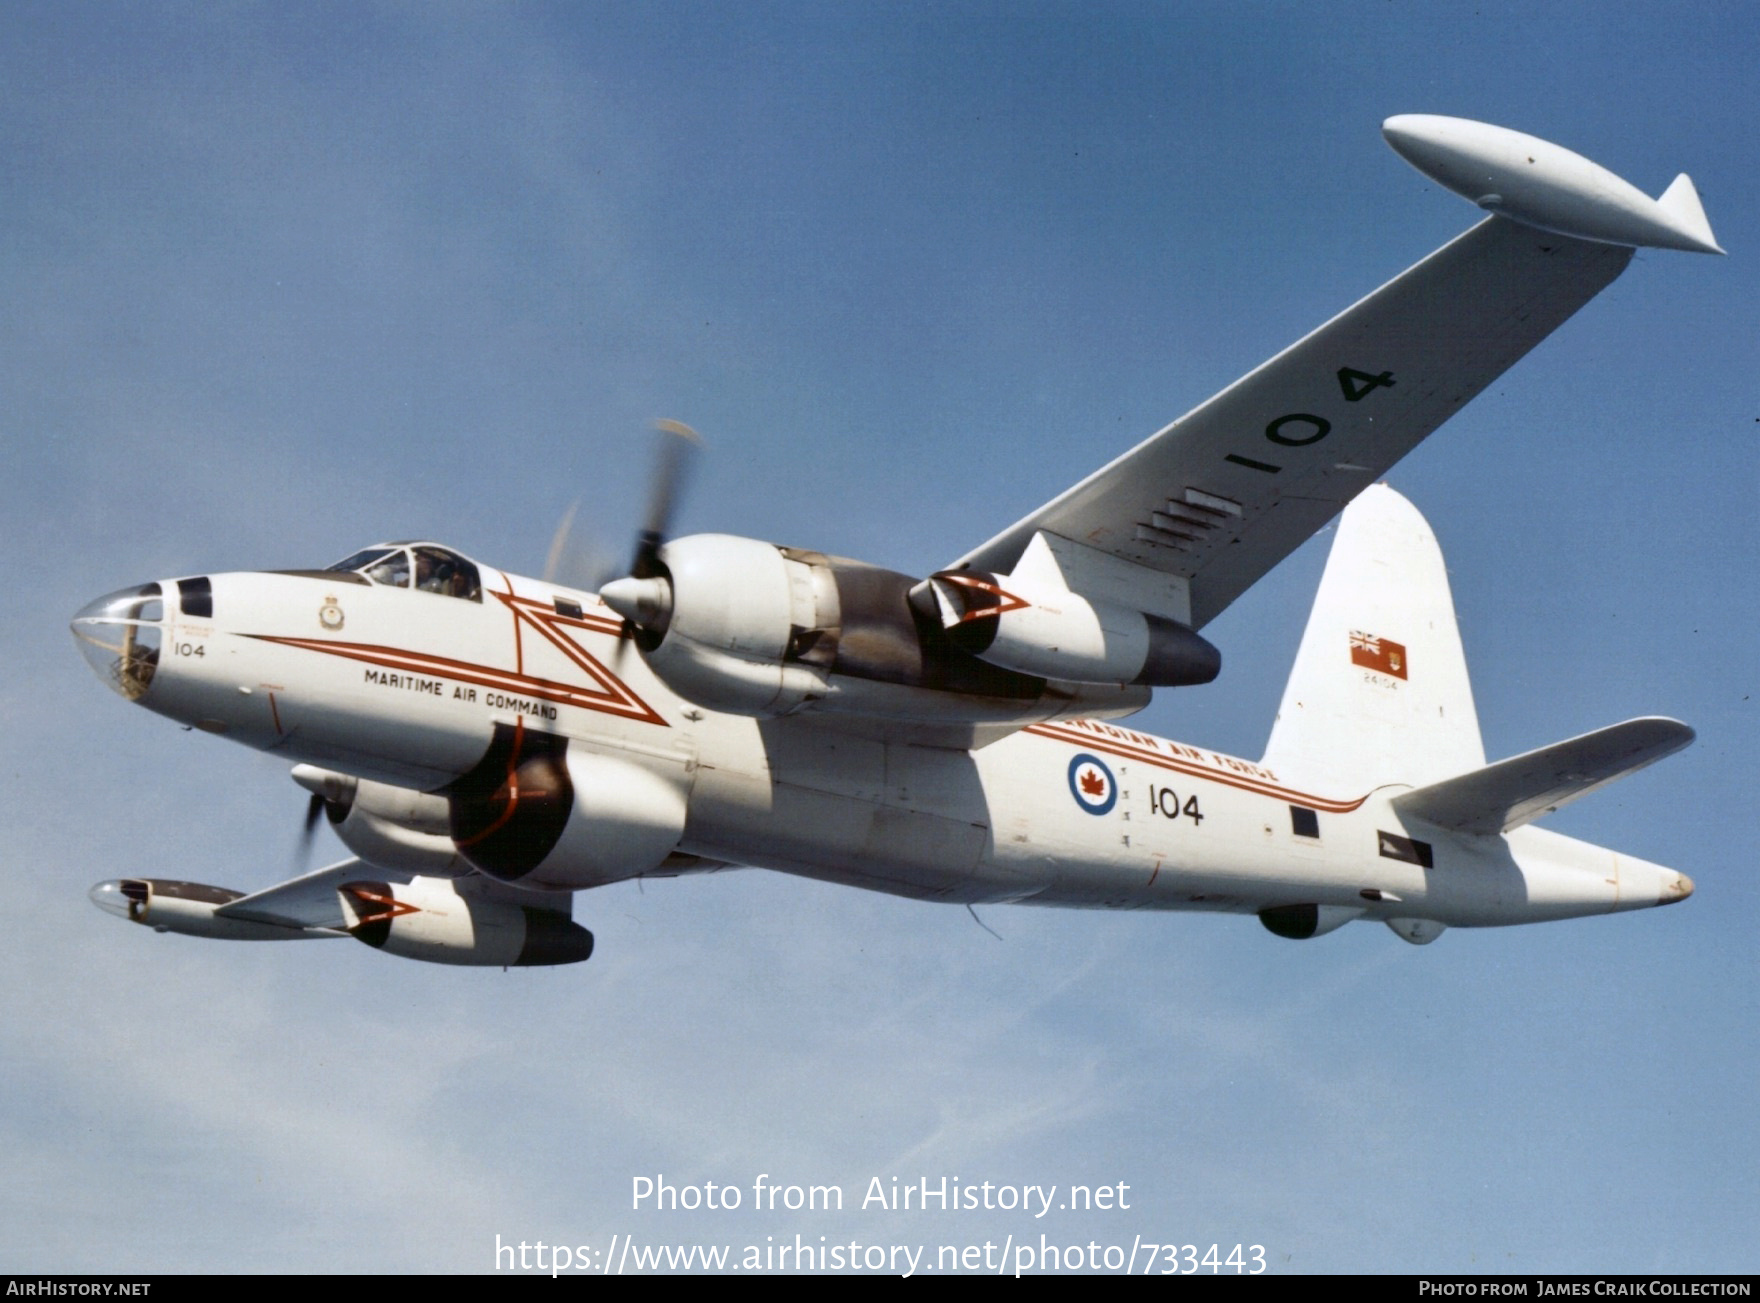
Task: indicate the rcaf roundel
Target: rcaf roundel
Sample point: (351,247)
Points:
(1092,784)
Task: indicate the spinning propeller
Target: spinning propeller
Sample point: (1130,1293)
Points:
(332,795)
(579,561)
(644,597)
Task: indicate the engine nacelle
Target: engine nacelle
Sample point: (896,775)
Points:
(394,827)
(535,812)
(1063,635)
(754,629)
(431,920)
(751,628)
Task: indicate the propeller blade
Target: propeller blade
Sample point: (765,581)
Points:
(314,813)
(559,543)
(580,560)
(671,464)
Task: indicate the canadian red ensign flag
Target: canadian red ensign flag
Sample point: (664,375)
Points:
(1381,654)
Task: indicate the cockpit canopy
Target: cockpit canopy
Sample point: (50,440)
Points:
(424,566)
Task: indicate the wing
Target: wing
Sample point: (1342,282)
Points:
(308,901)
(1227,491)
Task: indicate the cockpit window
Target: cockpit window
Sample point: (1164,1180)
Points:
(433,569)
(361,560)
(393,571)
(447,573)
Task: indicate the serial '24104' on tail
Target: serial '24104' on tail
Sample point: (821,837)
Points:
(487,744)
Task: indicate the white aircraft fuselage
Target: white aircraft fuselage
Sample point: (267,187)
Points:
(409,688)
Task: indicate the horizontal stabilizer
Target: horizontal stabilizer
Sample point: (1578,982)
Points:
(1519,790)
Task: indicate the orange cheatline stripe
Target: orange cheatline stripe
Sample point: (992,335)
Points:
(519,651)
(1172,763)
(615,697)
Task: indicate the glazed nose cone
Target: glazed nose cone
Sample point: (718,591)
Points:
(120,635)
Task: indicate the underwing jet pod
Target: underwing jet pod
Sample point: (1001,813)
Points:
(486,745)
(466,922)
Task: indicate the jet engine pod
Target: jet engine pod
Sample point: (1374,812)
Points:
(431,920)
(534,812)
(1059,634)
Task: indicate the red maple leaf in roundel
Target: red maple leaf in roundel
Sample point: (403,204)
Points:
(1092,783)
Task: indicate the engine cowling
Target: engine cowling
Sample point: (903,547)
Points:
(1064,635)
(754,629)
(431,920)
(741,626)
(536,812)
(393,827)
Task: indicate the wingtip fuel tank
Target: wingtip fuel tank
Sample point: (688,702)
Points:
(1540,184)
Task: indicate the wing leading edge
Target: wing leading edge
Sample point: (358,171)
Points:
(1231,488)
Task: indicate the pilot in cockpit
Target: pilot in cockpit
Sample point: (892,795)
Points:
(437,569)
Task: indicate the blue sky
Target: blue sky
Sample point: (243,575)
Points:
(279,281)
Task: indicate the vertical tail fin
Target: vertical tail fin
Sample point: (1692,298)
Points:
(1379,693)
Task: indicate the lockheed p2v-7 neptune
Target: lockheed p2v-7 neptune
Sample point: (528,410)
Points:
(487,745)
